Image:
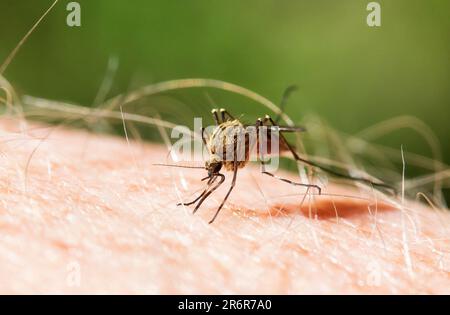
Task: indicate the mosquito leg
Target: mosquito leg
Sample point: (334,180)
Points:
(258,124)
(225,114)
(284,99)
(328,170)
(263,166)
(205,142)
(233,182)
(215,116)
(222,179)
(210,182)
(289,181)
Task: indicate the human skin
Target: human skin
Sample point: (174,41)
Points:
(85,213)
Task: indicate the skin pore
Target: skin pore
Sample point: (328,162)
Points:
(86,213)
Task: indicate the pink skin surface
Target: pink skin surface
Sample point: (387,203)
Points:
(85,213)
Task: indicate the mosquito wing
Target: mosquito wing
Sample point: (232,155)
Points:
(284,128)
(292,129)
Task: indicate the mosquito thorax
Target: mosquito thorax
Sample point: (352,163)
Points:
(228,138)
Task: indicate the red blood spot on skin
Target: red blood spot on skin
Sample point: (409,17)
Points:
(324,208)
(332,207)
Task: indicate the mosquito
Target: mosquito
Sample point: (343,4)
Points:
(227,152)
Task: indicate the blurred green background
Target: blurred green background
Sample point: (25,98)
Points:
(350,74)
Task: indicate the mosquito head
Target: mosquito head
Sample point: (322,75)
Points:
(214,165)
